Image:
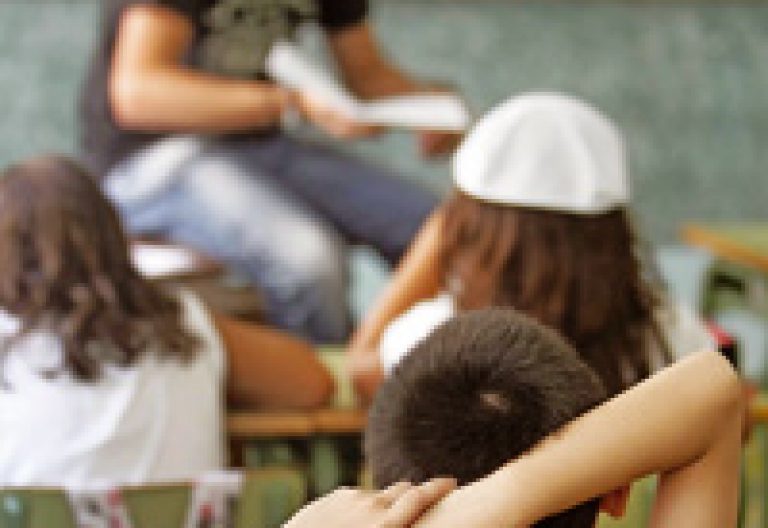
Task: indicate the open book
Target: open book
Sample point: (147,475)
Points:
(164,261)
(290,67)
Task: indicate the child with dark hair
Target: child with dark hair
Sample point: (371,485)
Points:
(492,388)
(105,375)
(539,222)
(482,389)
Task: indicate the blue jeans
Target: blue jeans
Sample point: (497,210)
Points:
(280,211)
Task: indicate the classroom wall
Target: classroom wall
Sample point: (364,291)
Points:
(687,81)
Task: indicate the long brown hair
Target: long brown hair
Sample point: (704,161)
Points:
(66,268)
(578,274)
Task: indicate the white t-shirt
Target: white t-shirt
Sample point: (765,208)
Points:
(683,331)
(154,421)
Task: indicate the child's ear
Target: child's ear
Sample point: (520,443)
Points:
(615,502)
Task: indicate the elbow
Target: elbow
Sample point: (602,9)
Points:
(733,390)
(725,386)
(128,102)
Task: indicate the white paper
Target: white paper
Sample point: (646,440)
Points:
(432,111)
(290,67)
(155,261)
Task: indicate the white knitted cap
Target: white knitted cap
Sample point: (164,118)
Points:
(545,150)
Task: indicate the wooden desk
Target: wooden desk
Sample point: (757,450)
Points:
(295,424)
(744,243)
(349,421)
(343,416)
(179,266)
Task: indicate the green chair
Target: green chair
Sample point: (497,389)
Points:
(269,498)
(638,508)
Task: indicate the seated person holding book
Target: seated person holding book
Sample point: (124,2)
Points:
(182,121)
(493,389)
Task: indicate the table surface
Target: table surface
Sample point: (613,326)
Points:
(344,415)
(745,243)
(245,424)
(350,421)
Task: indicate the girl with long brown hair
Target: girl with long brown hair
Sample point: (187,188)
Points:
(538,221)
(103,374)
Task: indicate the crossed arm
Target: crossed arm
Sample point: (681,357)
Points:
(684,423)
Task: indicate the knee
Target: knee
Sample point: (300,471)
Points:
(311,292)
(316,261)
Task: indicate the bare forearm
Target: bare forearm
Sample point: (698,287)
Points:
(663,425)
(182,100)
(151,89)
(367,72)
(683,423)
(383,80)
(418,277)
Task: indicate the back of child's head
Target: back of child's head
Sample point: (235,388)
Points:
(539,222)
(66,268)
(482,389)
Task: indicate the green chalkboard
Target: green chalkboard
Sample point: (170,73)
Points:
(687,81)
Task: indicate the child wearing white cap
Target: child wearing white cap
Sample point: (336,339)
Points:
(538,221)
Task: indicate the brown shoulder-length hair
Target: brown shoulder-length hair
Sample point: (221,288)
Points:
(66,268)
(578,274)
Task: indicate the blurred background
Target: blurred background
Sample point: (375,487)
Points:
(686,81)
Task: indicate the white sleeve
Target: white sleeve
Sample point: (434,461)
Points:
(408,330)
(197,319)
(9,325)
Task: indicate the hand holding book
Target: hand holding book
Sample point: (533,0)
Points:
(288,66)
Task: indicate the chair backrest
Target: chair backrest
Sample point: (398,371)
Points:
(268,498)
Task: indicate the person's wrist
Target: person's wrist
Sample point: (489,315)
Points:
(289,109)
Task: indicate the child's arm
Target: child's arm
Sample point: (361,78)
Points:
(267,367)
(684,423)
(417,277)
(398,506)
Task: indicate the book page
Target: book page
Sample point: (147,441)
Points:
(427,111)
(289,66)
(159,261)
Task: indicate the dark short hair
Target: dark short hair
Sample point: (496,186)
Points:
(482,389)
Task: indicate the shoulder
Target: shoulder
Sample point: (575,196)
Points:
(197,318)
(9,325)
